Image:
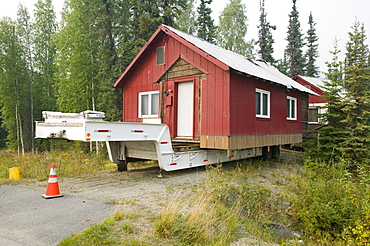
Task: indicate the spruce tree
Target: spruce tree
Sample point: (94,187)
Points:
(293,51)
(312,52)
(206,28)
(356,104)
(144,19)
(171,10)
(232,29)
(326,146)
(265,39)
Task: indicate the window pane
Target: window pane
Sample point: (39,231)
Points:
(312,115)
(155,104)
(293,109)
(288,108)
(265,104)
(144,104)
(160,55)
(258,103)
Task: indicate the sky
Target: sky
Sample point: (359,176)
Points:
(333,19)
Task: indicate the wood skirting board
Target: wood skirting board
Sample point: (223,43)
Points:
(244,142)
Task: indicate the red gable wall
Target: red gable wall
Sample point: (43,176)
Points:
(214,90)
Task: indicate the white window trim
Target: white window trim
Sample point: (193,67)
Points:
(295,108)
(261,103)
(150,115)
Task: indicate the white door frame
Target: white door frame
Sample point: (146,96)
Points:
(185,109)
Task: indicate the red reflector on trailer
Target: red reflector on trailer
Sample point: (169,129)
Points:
(88,139)
(103,130)
(205,160)
(173,164)
(137,131)
(164,142)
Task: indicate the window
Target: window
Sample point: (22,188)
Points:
(262,103)
(148,104)
(312,115)
(291,108)
(160,55)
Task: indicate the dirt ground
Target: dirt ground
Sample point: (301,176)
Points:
(144,190)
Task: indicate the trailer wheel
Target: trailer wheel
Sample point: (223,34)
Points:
(122,166)
(266,154)
(275,152)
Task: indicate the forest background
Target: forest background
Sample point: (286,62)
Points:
(69,63)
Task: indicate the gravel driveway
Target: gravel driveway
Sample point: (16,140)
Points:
(28,219)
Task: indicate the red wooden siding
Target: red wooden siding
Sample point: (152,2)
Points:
(224,100)
(243,103)
(215,114)
(214,90)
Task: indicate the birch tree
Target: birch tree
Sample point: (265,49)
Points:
(232,29)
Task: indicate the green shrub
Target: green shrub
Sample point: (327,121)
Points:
(332,203)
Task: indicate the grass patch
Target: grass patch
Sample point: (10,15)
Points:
(232,200)
(71,163)
(118,229)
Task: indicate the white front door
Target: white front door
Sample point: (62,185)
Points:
(185,109)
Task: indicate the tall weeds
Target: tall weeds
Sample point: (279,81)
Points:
(69,163)
(217,213)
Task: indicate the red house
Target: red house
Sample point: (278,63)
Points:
(212,97)
(314,101)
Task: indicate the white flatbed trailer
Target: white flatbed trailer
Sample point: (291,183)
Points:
(133,140)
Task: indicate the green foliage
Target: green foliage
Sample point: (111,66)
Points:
(44,52)
(88,60)
(24,77)
(323,203)
(186,22)
(232,29)
(311,69)
(206,28)
(327,145)
(99,234)
(331,204)
(14,85)
(70,163)
(265,39)
(293,51)
(118,229)
(356,104)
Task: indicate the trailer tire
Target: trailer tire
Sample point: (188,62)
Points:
(122,166)
(275,152)
(266,154)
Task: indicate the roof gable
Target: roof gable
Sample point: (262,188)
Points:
(223,58)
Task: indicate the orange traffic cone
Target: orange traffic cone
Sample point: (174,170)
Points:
(52,189)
